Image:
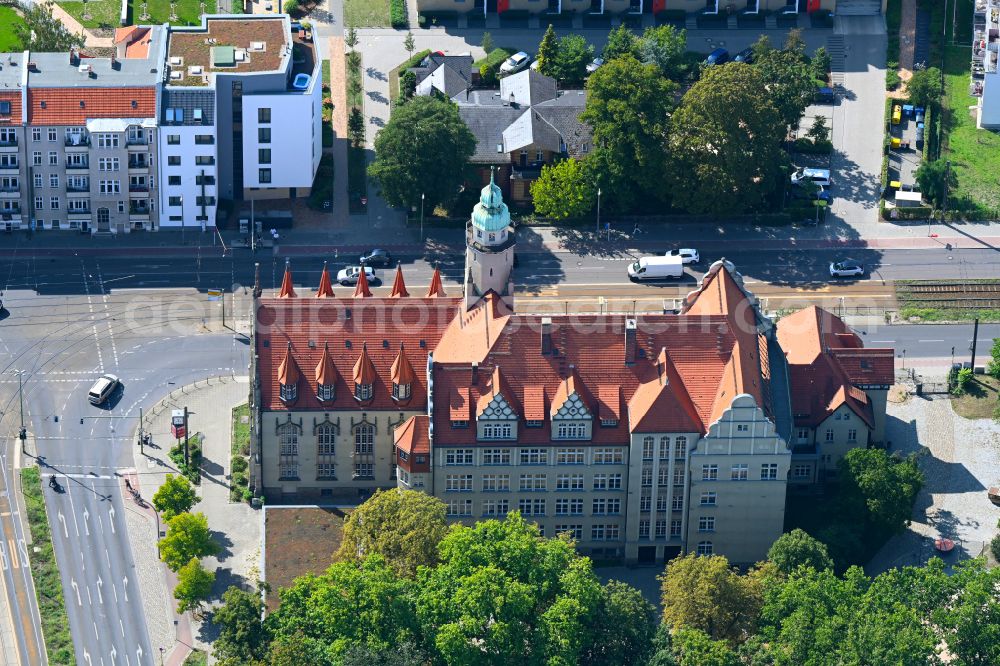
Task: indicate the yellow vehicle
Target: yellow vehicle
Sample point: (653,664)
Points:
(897,114)
(894,142)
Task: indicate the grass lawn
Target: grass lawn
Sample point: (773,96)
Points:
(366,13)
(45,571)
(8,19)
(196,658)
(188,11)
(102,13)
(980,400)
(298,540)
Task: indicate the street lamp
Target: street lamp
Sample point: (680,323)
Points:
(22,433)
(421,217)
(598,210)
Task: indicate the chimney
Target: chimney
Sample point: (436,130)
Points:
(546,336)
(630,342)
(475,373)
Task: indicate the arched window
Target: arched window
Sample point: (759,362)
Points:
(647,448)
(364,438)
(288,439)
(326,436)
(664,448)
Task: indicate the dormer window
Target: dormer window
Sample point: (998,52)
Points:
(288,392)
(324,392)
(497,431)
(401,391)
(459,424)
(363,392)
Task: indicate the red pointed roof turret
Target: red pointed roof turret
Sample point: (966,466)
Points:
(287,290)
(362,290)
(288,371)
(435,290)
(325,288)
(364,369)
(398,286)
(402,372)
(326,373)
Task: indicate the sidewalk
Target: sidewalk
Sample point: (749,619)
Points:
(235,526)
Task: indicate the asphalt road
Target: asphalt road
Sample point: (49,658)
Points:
(152,341)
(933,341)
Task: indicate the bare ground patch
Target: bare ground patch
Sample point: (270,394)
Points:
(298,541)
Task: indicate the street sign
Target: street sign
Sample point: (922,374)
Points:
(177,427)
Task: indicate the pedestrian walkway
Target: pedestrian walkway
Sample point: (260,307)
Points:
(338,95)
(236,526)
(907,37)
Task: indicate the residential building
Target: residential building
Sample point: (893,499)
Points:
(642,436)
(691,7)
(525,125)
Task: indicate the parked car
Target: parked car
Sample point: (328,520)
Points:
(847,268)
(819,176)
(515,63)
(719,56)
(687,255)
(592,67)
(746,55)
(825,96)
(349,276)
(821,193)
(102,388)
(656,268)
(377,257)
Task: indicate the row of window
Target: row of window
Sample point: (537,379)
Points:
(198,180)
(646,501)
(661,528)
(663,476)
(83,204)
(104,139)
(537,456)
(199,201)
(539,482)
(740,472)
(199,139)
(680,448)
(563,507)
(288,470)
(852,433)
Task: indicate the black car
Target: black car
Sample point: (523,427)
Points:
(719,56)
(377,258)
(746,55)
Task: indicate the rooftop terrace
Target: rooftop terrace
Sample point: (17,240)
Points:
(228,45)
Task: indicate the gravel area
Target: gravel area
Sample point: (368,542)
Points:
(961,459)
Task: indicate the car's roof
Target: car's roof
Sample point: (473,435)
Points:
(718,51)
(811,171)
(519,55)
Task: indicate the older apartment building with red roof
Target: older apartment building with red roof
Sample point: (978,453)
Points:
(642,436)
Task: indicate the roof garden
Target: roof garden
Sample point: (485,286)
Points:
(237,45)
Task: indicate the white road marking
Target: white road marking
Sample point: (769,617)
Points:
(930,340)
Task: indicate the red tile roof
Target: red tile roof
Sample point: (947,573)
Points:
(62,105)
(664,404)
(827,363)
(401,371)
(364,370)
(412,436)
(326,371)
(288,371)
(436,289)
(14,97)
(325,289)
(459,407)
(361,290)
(384,324)
(287,288)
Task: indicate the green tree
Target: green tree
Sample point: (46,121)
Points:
(548,52)
(819,132)
(662,649)
(706,594)
(291,6)
(993,367)
(194,585)
(664,46)
(41,32)
(423,149)
(877,490)
(175,496)
(821,63)
(351,38)
(297,650)
(925,87)
(789,82)
(407,85)
(408,43)
(970,617)
(621,42)
(794,43)
(936,179)
(571,59)
(405,653)
(356,127)
(725,143)
(187,536)
(627,109)
(564,190)
(623,627)
(353,60)
(403,526)
(487,42)
(243,638)
(797,549)
(762,47)
(693,647)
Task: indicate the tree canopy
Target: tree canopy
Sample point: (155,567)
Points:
(925,87)
(564,190)
(797,549)
(627,108)
(187,536)
(175,496)
(41,32)
(936,179)
(423,149)
(572,58)
(194,584)
(878,490)
(664,46)
(403,526)
(621,42)
(725,143)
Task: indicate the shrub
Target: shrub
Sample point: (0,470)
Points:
(892,80)
(995,547)
(407,84)
(240,464)
(397,13)
(962,380)
(809,147)
(291,6)
(993,367)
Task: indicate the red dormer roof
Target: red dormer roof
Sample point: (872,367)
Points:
(364,369)
(288,371)
(436,290)
(326,372)
(401,371)
(287,289)
(398,286)
(361,290)
(412,436)
(325,289)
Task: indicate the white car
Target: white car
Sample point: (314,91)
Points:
(349,275)
(847,268)
(102,388)
(687,255)
(594,64)
(515,63)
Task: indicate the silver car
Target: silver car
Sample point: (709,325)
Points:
(847,268)
(515,63)
(351,274)
(102,388)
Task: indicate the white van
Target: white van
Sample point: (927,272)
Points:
(656,268)
(102,388)
(819,176)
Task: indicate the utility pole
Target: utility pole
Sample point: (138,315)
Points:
(187,461)
(598,210)
(975,339)
(142,431)
(22,434)
(421,217)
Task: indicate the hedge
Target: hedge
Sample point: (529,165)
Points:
(322,189)
(397,13)
(810,147)
(907,213)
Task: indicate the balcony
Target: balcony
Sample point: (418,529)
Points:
(9,167)
(528,171)
(77,166)
(77,141)
(140,212)
(9,143)
(136,188)
(137,142)
(78,188)
(138,165)
(78,211)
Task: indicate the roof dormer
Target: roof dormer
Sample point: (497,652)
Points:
(496,413)
(325,289)
(571,417)
(398,286)
(364,376)
(287,290)
(326,376)
(361,290)
(402,377)
(435,290)
(288,377)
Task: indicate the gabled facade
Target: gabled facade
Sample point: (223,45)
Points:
(642,437)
